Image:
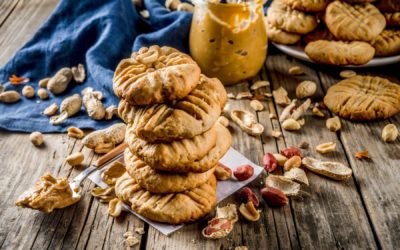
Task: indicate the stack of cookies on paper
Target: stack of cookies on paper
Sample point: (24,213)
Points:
(174,140)
(349,32)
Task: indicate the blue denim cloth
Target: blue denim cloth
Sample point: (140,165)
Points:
(96,33)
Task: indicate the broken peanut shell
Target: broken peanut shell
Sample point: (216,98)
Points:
(247,122)
(333,170)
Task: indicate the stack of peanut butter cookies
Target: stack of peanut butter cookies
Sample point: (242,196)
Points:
(349,32)
(175,141)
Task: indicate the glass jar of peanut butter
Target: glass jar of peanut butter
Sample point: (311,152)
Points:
(229,40)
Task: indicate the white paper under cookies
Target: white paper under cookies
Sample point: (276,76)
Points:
(231,159)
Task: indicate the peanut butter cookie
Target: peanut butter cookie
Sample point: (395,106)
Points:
(188,117)
(307,5)
(172,153)
(174,208)
(388,5)
(283,17)
(340,53)
(392,19)
(155,75)
(187,155)
(364,98)
(387,43)
(156,181)
(280,36)
(360,22)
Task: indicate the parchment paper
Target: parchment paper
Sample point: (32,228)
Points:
(231,159)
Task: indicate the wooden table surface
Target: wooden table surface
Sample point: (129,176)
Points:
(363,212)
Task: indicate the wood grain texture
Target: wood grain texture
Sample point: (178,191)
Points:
(376,179)
(323,218)
(359,213)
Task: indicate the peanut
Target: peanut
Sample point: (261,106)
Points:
(274,197)
(390,133)
(222,172)
(293,162)
(289,152)
(326,147)
(10,96)
(269,162)
(75,132)
(281,159)
(42,93)
(28,91)
(295,70)
(51,110)
(75,159)
(347,73)
(306,89)
(333,124)
(43,82)
(59,82)
(36,138)
(69,106)
(243,172)
(291,124)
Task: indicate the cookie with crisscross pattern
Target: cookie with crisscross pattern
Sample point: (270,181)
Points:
(283,17)
(364,98)
(155,75)
(387,43)
(157,181)
(186,118)
(174,208)
(340,53)
(359,22)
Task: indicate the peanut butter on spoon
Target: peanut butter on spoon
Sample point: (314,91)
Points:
(48,194)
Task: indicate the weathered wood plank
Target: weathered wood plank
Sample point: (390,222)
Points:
(21,23)
(6,7)
(377,179)
(323,219)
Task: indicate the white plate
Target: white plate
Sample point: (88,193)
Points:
(298,52)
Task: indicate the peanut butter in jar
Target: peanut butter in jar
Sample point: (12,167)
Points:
(229,40)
